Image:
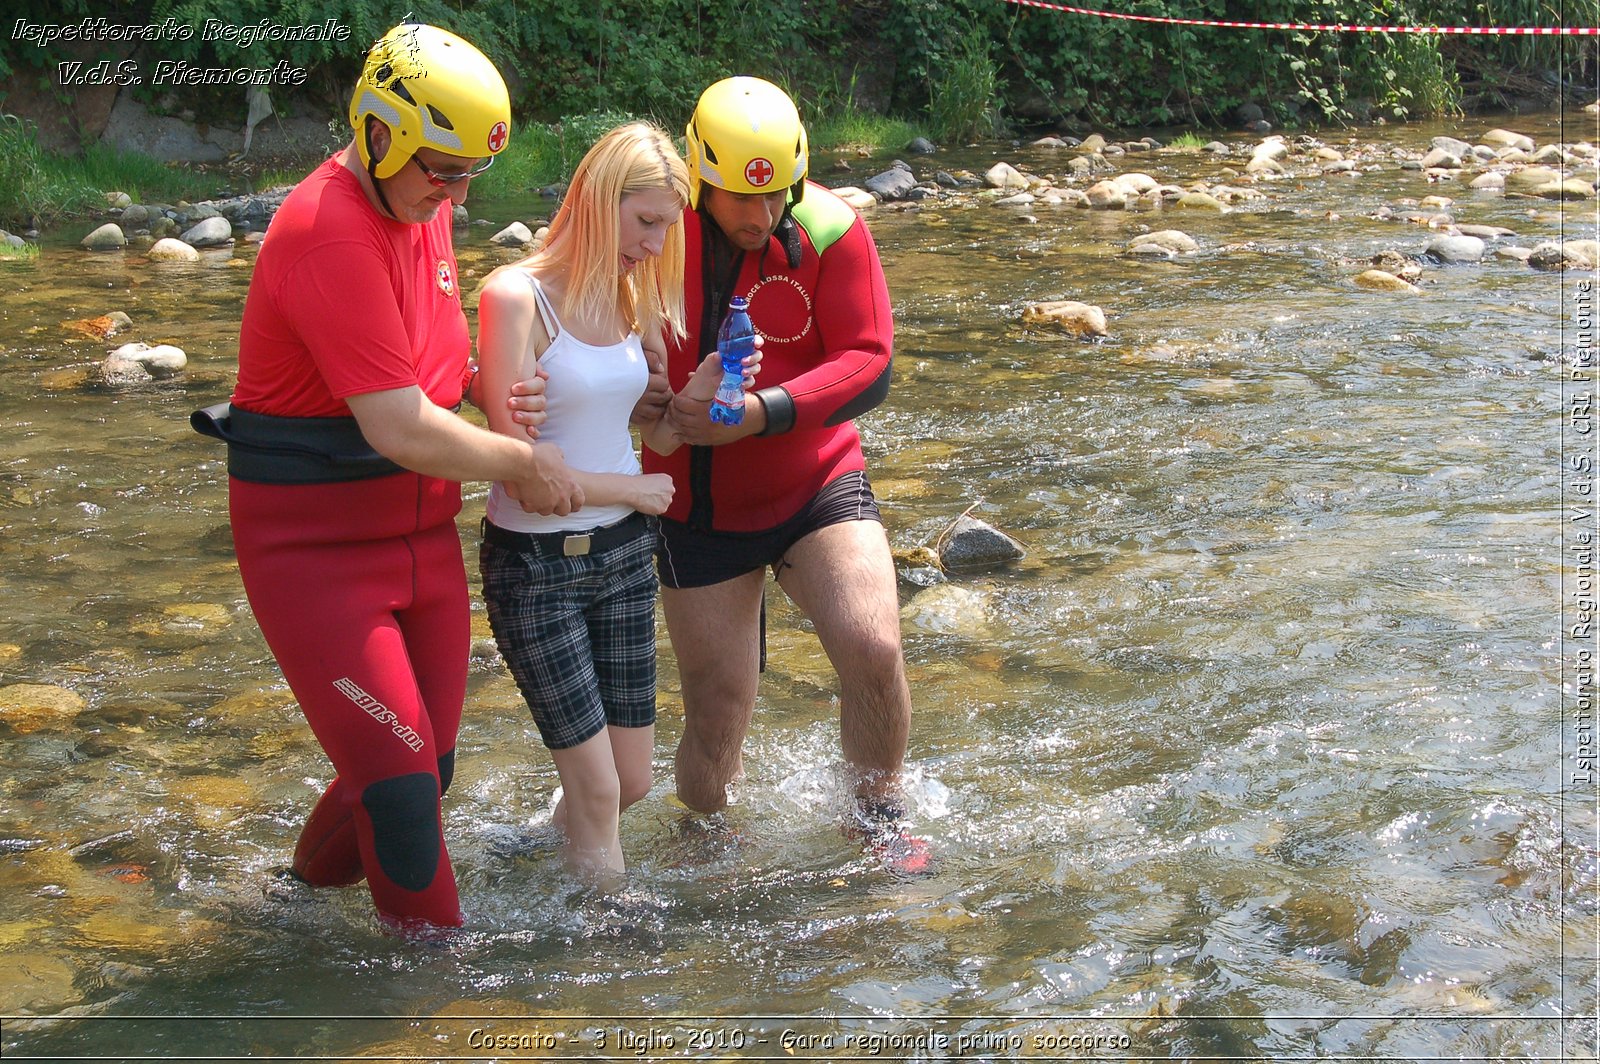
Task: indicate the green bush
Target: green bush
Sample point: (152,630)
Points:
(864,73)
(540,154)
(963,100)
(31,192)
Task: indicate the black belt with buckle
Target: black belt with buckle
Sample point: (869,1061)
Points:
(569,544)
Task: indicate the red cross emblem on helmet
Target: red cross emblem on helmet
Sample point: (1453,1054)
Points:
(497,137)
(758,172)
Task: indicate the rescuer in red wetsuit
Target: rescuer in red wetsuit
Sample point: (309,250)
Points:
(345,458)
(787,488)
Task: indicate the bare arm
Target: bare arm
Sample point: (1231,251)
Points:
(662,435)
(547,486)
(510,334)
(526,402)
(655,430)
(646,492)
(405,427)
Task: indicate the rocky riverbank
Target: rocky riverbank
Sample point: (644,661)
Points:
(1092,174)
(1095,173)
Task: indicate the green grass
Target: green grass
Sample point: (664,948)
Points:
(858,131)
(1188,141)
(40,188)
(837,124)
(275,178)
(29,192)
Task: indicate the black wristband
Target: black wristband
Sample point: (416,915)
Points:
(780,410)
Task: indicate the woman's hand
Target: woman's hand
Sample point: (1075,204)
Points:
(653,493)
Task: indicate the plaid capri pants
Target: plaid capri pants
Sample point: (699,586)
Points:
(578,633)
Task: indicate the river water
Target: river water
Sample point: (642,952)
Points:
(1260,752)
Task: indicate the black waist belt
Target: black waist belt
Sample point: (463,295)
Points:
(292,450)
(570,544)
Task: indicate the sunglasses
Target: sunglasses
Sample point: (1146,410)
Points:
(439,180)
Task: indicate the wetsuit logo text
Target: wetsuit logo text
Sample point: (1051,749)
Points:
(379,712)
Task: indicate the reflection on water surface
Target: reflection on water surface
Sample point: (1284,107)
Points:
(1257,753)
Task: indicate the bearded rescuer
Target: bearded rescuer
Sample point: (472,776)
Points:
(787,489)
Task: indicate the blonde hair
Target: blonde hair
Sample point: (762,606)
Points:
(583,239)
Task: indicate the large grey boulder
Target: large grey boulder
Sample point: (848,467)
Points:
(515,235)
(108,237)
(209,233)
(892,184)
(1455,249)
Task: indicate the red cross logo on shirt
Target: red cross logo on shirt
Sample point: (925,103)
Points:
(758,172)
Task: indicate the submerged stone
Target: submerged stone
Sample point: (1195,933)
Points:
(970,544)
(514,235)
(30,706)
(950,609)
(162,360)
(1004,176)
(1505,138)
(170,249)
(1456,249)
(1381,281)
(1174,240)
(858,198)
(1079,319)
(38,982)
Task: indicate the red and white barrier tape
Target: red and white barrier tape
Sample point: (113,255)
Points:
(1471,31)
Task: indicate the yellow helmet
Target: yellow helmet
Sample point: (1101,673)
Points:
(434,90)
(745,136)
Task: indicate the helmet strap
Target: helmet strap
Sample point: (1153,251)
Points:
(789,232)
(372,170)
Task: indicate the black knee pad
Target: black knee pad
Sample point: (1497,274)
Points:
(447,771)
(405,828)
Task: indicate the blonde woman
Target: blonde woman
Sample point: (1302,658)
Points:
(572,598)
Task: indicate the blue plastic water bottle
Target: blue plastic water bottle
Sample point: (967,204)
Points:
(735,340)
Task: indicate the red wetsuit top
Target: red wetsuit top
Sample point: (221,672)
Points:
(828,339)
(344,301)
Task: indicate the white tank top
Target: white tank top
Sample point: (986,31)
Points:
(589,398)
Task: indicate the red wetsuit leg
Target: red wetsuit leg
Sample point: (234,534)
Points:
(328,853)
(438,634)
(371,635)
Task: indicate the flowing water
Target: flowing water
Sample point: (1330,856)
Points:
(1259,752)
